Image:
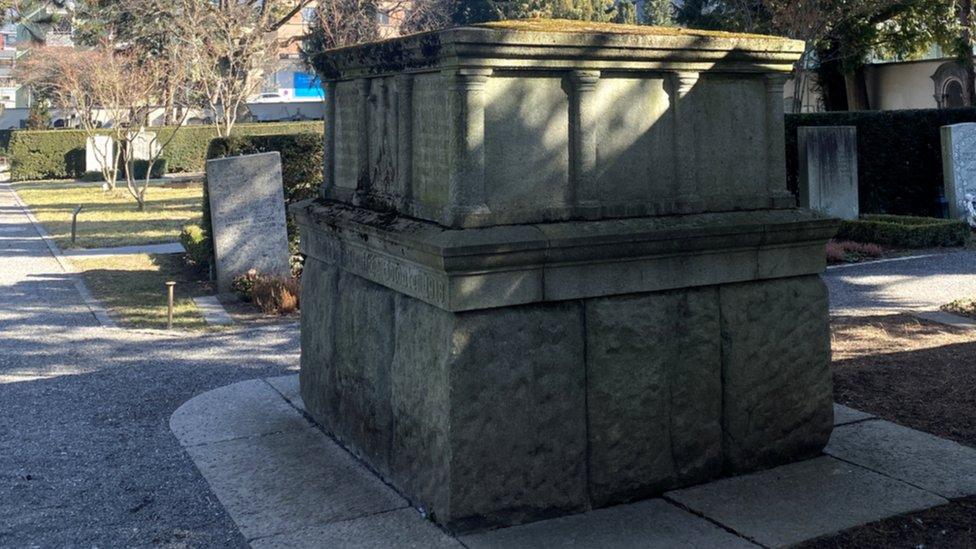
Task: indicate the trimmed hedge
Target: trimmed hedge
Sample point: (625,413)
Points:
(60,154)
(905,231)
(899,156)
(301,169)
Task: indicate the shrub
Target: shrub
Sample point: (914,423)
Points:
(243,285)
(197,246)
(60,154)
(899,156)
(276,295)
(906,231)
(301,171)
(846,251)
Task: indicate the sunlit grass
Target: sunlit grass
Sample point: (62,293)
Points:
(133,288)
(111,218)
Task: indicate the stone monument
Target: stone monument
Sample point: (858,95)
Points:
(145,145)
(247,216)
(99,152)
(828,170)
(555,266)
(959,168)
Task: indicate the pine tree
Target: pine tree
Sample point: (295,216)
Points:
(658,12)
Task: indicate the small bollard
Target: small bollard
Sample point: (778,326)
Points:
(169,311)
(74,224)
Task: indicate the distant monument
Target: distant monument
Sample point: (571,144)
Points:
(99,153)
(959,168)
(145,145)
(554,268)
(828,170)
(247,216)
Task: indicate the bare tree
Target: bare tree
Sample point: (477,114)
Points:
(231,45)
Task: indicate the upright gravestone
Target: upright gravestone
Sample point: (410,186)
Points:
(247,216)
(99,152)
(554,268)
(145,145)
(828,170)
(959,168)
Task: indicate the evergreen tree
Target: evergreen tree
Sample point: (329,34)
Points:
(658,12)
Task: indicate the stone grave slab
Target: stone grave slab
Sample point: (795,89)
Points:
(145,146)
(247,206)
(828,170)
(959,168)
(402,528)
(99,152)
(801,501)
(844,415)
(927,461)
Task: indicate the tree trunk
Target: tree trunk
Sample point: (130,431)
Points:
(966,50)
(856,88)
(830,79)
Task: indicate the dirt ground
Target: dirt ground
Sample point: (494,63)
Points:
(922,375)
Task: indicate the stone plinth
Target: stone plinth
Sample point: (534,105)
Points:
(519,302)
(99,152)
(247,216)
(828,170)
(959,168)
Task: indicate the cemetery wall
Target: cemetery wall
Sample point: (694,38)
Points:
(60,154)
(899,156)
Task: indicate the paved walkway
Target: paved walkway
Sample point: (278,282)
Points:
(167,248)
(902,285)
(287,484)
(86,454)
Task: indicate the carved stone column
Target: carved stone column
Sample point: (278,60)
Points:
(362,145)
(582,143)
(404,164)
(776,143)
(686,192)
(328,169)
(466,89)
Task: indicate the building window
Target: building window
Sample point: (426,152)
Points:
(952,94)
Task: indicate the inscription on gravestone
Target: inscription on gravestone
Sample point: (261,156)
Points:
(959,168)
(247,206)
(828,170)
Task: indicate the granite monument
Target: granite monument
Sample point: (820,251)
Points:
(247,217)
(555,266)
(828,170)
(959,170)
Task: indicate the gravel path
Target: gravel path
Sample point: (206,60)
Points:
(86,454)
(920,284)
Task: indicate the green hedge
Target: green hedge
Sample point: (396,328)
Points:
(197,246)
(60,154)
(905,231)
(301,168)
(899,156)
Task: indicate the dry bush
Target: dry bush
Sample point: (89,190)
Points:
(851,252)
(276,295)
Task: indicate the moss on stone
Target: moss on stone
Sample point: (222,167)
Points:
(592,27)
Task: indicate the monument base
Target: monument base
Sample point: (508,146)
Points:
(533,406)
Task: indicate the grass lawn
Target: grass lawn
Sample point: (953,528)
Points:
(110,218)
(133,288)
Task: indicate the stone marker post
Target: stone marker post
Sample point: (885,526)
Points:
(247,216)
(554,269)
(959,168)
(828,170)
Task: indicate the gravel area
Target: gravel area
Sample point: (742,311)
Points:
(902,284)
(86,454)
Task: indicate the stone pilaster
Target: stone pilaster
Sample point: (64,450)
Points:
(404,87)
(466,197)
(328,169)
(776,145)
(582,143)
(686,192)
(362,145)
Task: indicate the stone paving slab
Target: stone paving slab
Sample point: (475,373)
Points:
(213,312)
(285,482)
(936,464)
(288,387)
(648,524)
(804,500)
(844,415)
(402,529)
(167,248)
(247,408)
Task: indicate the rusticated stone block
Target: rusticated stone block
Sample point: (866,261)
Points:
(777,390)
(654,400)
